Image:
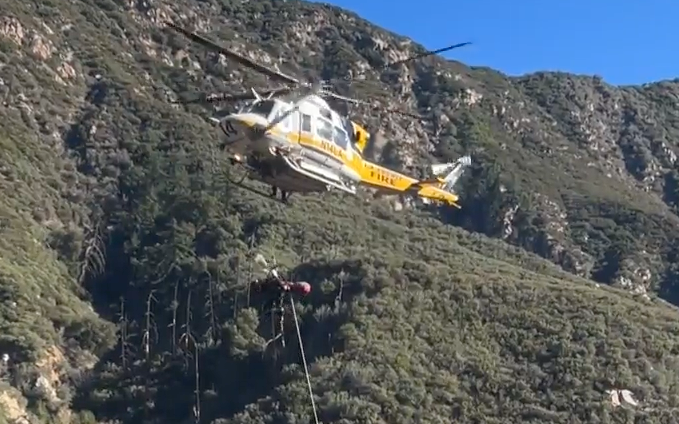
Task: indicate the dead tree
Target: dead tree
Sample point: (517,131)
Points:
(188,344)
(211,317)
(250,251)
(238,284)
(173,324)
(122,328)
(149,326)
(338,299)
(187,338)
(93,259)
(196,376)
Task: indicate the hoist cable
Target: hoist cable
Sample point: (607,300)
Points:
(306,368)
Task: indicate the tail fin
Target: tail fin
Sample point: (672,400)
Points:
(362,137)
(454,171)
(441,189)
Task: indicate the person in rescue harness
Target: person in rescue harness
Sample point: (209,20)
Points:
(275,288)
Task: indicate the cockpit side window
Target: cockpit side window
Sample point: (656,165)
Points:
(324,129)
(349,128)
(340,138)
(279,111)
(263,108)
(306,123)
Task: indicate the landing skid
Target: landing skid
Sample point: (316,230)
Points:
(261,193)
(239,180)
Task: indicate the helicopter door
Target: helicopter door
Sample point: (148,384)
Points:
(295,125)
(306,124)
(305,130)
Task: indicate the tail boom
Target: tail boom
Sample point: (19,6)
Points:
(435,189)
(429,193)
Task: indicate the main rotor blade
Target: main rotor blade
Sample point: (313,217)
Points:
(272,73)
(223,97)
(405,113)
(425,54)
(372,105)
(213,98)
(387,66)
(406,60)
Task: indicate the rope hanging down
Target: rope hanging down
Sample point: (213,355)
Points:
(306,368)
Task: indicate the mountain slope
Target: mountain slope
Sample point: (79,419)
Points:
(117,214)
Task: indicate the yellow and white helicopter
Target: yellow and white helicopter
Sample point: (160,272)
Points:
(292,140)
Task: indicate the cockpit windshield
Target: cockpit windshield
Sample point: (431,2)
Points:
(262,108)
(349,128)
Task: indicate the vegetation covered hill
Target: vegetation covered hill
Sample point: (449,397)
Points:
(124,248)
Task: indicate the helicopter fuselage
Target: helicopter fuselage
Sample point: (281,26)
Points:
(290,160)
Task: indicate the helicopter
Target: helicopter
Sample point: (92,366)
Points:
(292,140)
